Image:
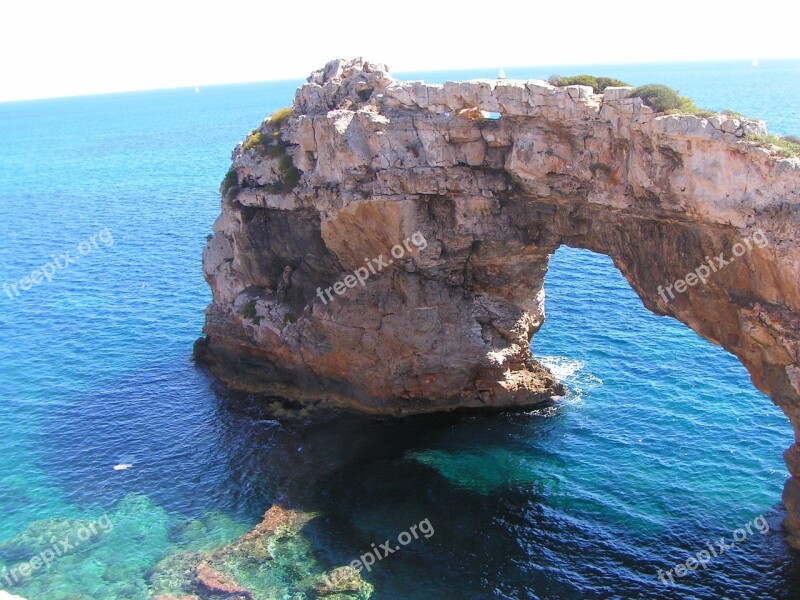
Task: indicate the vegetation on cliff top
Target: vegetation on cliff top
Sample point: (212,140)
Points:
(270,141)
(597,83)
(662,98)
(788,146)
(280,116)
(267,140)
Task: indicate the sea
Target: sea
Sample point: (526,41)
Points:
(661,447)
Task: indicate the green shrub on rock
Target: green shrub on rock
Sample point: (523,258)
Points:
(280,116)
(662,98)
(254,140)
(732,113)
(230,184)
(249,310)
(596,83)
(787,146)
(267,141)
(604,82)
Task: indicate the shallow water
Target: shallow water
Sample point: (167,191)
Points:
(661,445)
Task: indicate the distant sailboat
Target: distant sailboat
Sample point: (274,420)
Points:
(501,74)
(197,89)
(755,62)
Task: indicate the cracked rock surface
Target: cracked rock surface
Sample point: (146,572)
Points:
(494,176)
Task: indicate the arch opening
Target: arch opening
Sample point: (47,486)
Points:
(645,385)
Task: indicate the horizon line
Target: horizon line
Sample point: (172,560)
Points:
(397,75)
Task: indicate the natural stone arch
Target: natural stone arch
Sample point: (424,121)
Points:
(449,325)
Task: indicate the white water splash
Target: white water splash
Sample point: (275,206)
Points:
(574,374)
(563,368)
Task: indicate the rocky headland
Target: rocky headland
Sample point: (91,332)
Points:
(382,245)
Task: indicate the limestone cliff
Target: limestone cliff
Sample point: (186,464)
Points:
(478,183)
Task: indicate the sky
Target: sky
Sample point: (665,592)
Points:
(74,47)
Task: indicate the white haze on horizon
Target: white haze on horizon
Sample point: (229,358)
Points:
(53,49)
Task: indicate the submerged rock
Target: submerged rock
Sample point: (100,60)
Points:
(271,560)
(340,580)
(38,536)
(91,556)
(214,582)
(172,575)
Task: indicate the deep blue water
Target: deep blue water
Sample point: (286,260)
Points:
(661,445)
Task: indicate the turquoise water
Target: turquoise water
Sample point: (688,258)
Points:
(661,445)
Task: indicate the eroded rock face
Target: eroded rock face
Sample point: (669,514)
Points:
(366,162)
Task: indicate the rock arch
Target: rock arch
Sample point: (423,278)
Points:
(306,303)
